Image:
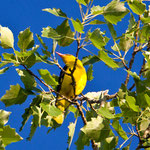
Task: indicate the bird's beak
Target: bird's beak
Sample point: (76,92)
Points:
(60,54)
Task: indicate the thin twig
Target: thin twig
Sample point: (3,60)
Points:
(143,66)
(134,52)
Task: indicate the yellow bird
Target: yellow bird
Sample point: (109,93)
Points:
(66,87)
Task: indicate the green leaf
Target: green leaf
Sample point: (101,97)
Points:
(1,145)
(132,22)
(97,39)
(144,124)
(4,116)
(9,57)
(27,79)
(2,64)
(74,110)
(90,60)
(3,70)
(116,125)
(90,73)
(30,61)
(42,42)
(106,113)
(51,110)
(56,12)
(26,40)
(134,75)
(78,26)
(137,6)
(6,38)
(125,43)
(95,128)
(82,141)
(107,60)
(147,99)
(40,58)
(36,121)
(28,57)
(65,30)
(97,10)
(115,11)
(84,2)
(15,95)
(96,22)
(49,32)
(132,103)
(71,132)
(9,135)
(28,111)
(47,77)
(145,19)
(112,30)
(110,142)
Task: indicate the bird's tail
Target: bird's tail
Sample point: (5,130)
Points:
(62,105)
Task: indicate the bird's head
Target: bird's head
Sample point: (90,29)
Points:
(69,60)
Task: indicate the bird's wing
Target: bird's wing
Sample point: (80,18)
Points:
(61,77)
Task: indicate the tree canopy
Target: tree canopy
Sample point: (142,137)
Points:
(106,117)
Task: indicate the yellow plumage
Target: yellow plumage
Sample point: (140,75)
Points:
(66,87)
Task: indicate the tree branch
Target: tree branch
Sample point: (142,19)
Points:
(134,52)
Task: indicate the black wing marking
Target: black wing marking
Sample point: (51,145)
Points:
(61,77)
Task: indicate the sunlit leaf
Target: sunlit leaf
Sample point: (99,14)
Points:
(71,132)
(3,70)
(78,26)
(36,121)
(40,58)
(96,22)
(15,95)
(144,124)
(95,128)
(106,113)
(132,103)
(2,64)
(90,73)
(116,125)
(131,22)
(97,39)
(6,38)
(134,75)
(4,116)
(28,111)
(125,43)
(27,79)
(67,35)
(107,60)
(145,20)
(47,77)
(115,11)
(26,40)
(112,30)
(97,10)
(9,135)
(90,60)
(51,110)
(56,12)
(82,141)
(110,142)
(9,57)
(42,42)
(49,32)
(84,2)
(137,6)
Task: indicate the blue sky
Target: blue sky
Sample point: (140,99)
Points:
(20,14)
